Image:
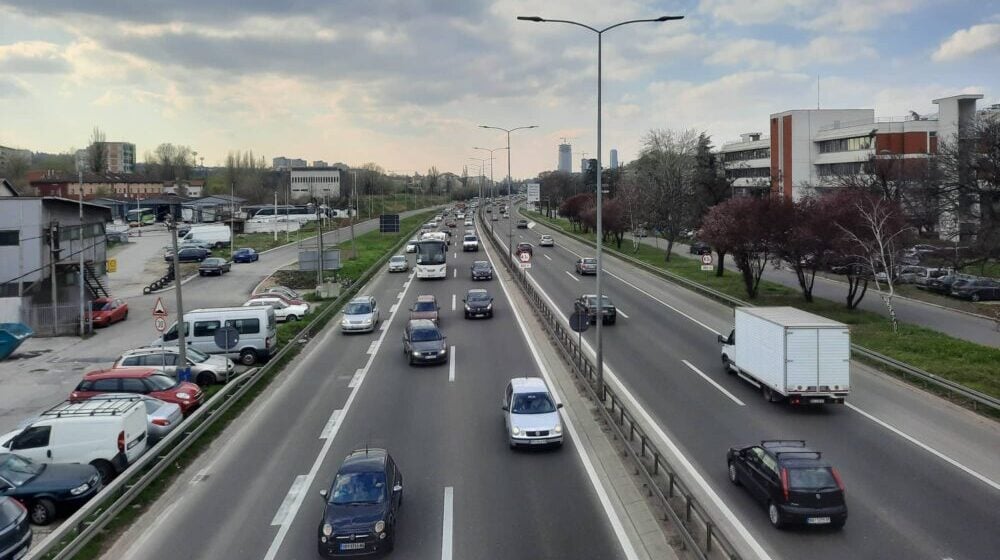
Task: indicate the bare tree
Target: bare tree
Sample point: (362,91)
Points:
(97,152)
(432,179)
(666,168)
(711,187)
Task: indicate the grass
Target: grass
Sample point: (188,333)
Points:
(973,365)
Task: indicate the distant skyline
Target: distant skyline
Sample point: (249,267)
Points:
(405,84)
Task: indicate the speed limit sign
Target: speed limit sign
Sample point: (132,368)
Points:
(160,323)
(706,262)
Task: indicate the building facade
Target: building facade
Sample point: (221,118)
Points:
(119,157)
(320,163)
(68,185)
(565,158)
(281,163)
(614,159)
(747,163)
(315,183)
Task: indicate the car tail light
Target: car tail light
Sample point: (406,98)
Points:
(836,476)
(121,442)
(161,421)
(784,482)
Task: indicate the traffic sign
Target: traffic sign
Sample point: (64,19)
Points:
(524,256)
(160,323)
(579,322)
(524,265)
(112,265)
(158,309)
(706,259)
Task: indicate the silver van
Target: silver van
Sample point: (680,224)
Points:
(256,327)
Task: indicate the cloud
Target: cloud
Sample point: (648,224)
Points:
(846,16)
(755,53)
(11,88)
(743,12)
(33,57)
(968,42)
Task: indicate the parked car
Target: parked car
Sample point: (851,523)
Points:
(923,280)
(411,245)
(640,232)
(140,381)
(530,413)
(524,248)
(283,311)
(219,235)
(979,289)
(290,295)
(586,265)
(587,303)
(197,245)
(206,369)
(15,528)
(40,489)
(424,343)
(361,507)
(482,270)
(699,248)
(245,255)
(398,263)
(478,303)
(426,307)
(546,241)
(944,284)
(161,417)
(522,224)
(188,254)
(256,326)
(793,481)
(214,265)
(105,311)
(361,314)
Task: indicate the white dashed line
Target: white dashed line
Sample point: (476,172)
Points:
(285,508)
(714,384)
(453,302)
(548,257)
(331,424)
(570,274)
(451,364)
(620,312)
(447,523)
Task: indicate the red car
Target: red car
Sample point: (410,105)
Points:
(108,310)
(145,381)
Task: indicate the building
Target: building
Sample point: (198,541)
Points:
(614,159)
(315,183)
(320,163)
(193,188)
(119,158)
(583,165)
(67,185)
(7,189)
(42,240)
(281,163)
(9,154)
(565,158)
(160,206)
(747,163)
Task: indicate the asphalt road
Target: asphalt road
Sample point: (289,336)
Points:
(258,495)
(910,492)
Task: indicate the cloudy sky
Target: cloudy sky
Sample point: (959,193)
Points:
(405,83)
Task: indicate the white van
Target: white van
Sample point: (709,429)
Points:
(256,327)
(217,235)
(108,434)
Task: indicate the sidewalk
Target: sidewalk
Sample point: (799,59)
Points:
(140,261)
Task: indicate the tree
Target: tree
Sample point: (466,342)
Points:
(432,179)
(574,208)
(751,229)
(15,169)
(557,186)
(711,187)
(810,243)
(97,153)
(665,169)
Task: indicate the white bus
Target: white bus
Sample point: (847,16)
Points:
(432,258)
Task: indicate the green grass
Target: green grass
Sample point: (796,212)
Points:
(973,365)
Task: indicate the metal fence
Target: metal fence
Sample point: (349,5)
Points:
(700,534)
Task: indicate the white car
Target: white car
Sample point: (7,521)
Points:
(468,223)
(461,216)
(398,263)
(530,413)
(361,314)
(411,245)
(283,311)
(546,241)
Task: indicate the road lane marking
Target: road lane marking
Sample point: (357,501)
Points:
(447,523)
(454,273)
(620,312)
(202,476)
(298,487)
(384,327)
(453,302)
(161,518)
(993,484)
(373,347)
(356,380)
(392,308)
(455,255)
(400,295)
(570,274)
(714,384)
(548,257)
(451,364)
(331,424)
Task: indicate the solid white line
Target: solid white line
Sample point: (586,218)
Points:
(286,504)
(714,384)
(548,257)
(571,275)
(993,484)
(384,327)
(451,364)
(447,523)
(330,424)
(620,312)
(452,302)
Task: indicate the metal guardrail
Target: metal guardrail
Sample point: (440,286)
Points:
(87,522)
(702,536)
(976,398)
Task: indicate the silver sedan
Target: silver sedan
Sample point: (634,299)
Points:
(161,417)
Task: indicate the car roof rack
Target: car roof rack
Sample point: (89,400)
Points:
(103,407)
(783,442)
(805,454)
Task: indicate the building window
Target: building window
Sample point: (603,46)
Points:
(845,144)
(743,155)
(840,169)
(10,238)
(748,173)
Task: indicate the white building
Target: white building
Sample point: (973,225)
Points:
(119,157)
(565,158)
(748,162)
(281,163)
(315,183)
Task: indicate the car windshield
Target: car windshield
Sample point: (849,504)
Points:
(813,478)
(470,237)
(196,356)
(477,296)
(245,250)
(161,382)
(100,306)
(592,300)
(212,261)
(425,335)
(424,306)
(358,308)
(398,259)
(358,488)
(431,252)
(480,265)
(532,403)
(19,470)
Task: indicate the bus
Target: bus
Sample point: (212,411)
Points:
(140,217)
(432,258)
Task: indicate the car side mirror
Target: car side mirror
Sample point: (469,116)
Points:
(559,405)
(323,494)
(397,488)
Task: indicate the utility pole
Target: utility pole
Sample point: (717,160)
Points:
(83,314)
(319,239)
(351,212)
(232,216)
(53,259)
(183,371)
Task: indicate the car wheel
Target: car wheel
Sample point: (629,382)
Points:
(43,511)
(291,318)
(125,316)
(200,273)
(105,469)
(205,379)
(975,297)
(732,474)
(774,516)
(391,540)
(248,357)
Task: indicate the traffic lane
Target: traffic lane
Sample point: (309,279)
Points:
(630,353)
(279,439)
(450,434)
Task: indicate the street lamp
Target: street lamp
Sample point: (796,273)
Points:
(482,173)
(510,198)
(600,231)
(492,194)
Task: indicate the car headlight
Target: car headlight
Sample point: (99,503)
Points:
(515,430)
(442,351)
(557,429)
(417,354)
(490,306)
(379,526)
(467,308)
(80,489)
(184,396)
(327,529)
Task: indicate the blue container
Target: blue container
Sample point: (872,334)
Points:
(11,336)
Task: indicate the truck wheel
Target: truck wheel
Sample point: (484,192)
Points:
(248,357)
(725,364)
(770,395)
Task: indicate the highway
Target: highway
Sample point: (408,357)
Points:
(921,475)
(255,493)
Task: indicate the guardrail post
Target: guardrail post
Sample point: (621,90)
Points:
(656,463)
(687,509)
(708,536)
(642,439)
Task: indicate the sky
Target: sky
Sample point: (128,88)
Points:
(406,83)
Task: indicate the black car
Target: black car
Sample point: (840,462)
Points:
(699,248)
(792,480)
(214,265)
(945,284)
(980,289)
(587,303)
(478,303)
(15,530)
(43,487)
(482,270)
(424,343)
(362,506)
(522,224)
(525,248)
(188,254)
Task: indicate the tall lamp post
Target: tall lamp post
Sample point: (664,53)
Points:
(482,173)
(510,198)
(490,150)
(600,232)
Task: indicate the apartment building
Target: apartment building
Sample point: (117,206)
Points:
(119,157)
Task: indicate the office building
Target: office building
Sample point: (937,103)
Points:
(281,163)
(565,158)
(614,159)
(315,183)
(320,163)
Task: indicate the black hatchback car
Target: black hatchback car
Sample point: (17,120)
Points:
(793,482)
(43,487)
(15,531)
(188,254)
(478,303)
(482,270)
(424,343)
(362,506)
(587,303)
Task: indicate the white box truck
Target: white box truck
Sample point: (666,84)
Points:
(790,354)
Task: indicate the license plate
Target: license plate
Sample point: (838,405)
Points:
(538,441)
(818,520)
(817,401)
(352,546)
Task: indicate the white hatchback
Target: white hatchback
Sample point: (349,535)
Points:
(530,413)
